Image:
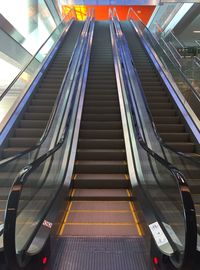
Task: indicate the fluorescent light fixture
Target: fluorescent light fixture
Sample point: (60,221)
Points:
(196,31)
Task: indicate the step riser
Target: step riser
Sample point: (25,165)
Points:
(100,169)
(101,134)
(101,156)
(89,144)
(110,184)
(101,126)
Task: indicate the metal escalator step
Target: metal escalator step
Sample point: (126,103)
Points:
(163,112)
(101,91)
(99,76)
(54,73)
(146,72)
(49,90)
(100,217)
(151,99)
(43,109)
(160,105)
(147,78)
(101,117)
(50,84)
(101,125)
(100,144)
(22,142)
(46,96)
(100,134)
(170,128)
(101,181)
(100,154)
(94,80)
(100,206)
(184,147)
(112,232)
(101,195)
(105,166)
(101,97)
(155,93)
(101,103)
(28,132)
(36,116)
(54,78)
(99,73)
(57,68)
(166,119)
(175,137)
(101,86)
(44,102)
(98,110)
(103,69)
(151,83)
(32,124)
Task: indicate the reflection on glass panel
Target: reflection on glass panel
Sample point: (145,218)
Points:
(9,101)
(32,19)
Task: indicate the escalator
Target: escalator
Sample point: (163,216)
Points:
(179,145)
(33,121)
(91,179)
(101,203)
(169,122)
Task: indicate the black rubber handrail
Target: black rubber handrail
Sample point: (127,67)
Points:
(195,92)
(185,194)
(163,144)
(50,121)
(15,193)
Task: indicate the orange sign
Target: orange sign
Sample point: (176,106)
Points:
(101,12)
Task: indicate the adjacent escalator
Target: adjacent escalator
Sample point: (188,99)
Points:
(34,119)
(169,122)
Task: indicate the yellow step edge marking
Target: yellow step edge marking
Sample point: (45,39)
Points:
(100,211)
(77,201)
(100,223)
(126,177)
(135,218)
(67,214)
(75,176)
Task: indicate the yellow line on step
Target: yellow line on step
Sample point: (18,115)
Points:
(126,177)
(100,211)
(75,176)
(135,218)
(67,214)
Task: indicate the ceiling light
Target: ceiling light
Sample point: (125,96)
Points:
(196,31)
